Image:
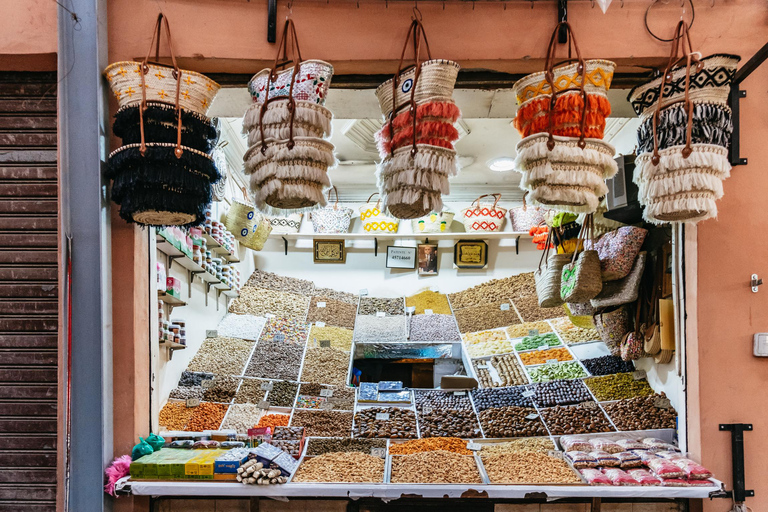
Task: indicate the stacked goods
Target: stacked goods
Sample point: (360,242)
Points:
(349,298)
(508,371)
(275,360)
(428,300)
(416,141)
(531,444)
(379,305)
(288,158)
(512,421)
(206,416)
(341,467)
(273,420)
(163,173)
(318,446)
(495,290)
(282,394)
(502,397)
(576,419)
(222,390)
(175,415)
(560,392)
(446,413)
(435,467)
(530,311)
(331,312)
(251,391)
(642,413)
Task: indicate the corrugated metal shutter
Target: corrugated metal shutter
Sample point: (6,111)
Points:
(28,292)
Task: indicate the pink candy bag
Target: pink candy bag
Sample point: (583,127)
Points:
(619,477)
(665,468)
(595,477)
(644,477)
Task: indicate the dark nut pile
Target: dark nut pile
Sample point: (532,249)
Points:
(444,414)
(223,390)
(529,309)
(288,433)
(373,305)
(276,360)
(273,281)
(193,379)
(349,298)
(606,365)
(250,392)
(575,419)
(512,422)
(323,423)
(319,446)
(283,394)
(640,413)
(500,397)
(496,290)
(486,316)
(508,369)
(400,425)
(222,356)
(334,312)
(560,392)
(617,387)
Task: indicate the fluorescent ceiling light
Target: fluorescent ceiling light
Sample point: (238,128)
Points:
(501,164)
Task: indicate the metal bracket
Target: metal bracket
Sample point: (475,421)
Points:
(271,21)
(517,245)
(733,101)
(375,246)
(737,430)
(562,15)
(755,282)
(171,259)
(285,243)
(596,504)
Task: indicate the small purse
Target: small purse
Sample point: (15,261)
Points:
(617,251)
(581,278)
(613,326)
(633,343)
(548,279)
(622,291)
(525,217)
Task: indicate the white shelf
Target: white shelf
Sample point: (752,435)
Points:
(498,235)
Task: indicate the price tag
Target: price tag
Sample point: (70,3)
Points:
(639,374)
(542,347)
(533,332)
(410,309)
(320,324)
(264,404)
(552,361)
(427,410)
(267,386)
(326,392)
(662,403)
(529,393)
(379,452)
(382,416)
(207,383)
(326,405)
(429,312)
(589,405)
(505,307)
(279,337)
(482,367)
(213,333)
(459,393)
(363,292)
(321,304)
(475,447)
(532,416)
(381,313)
(193,402)
(325,343)
(556,454)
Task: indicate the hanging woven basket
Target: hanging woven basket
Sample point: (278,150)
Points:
(161,125)
(309,120)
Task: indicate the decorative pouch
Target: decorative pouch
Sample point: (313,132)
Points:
(622,291)
(478,217)
(618,250)
(613,326)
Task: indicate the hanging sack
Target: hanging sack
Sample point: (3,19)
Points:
(618,251)
(435,222)
(309,120)
(525,217)
(632,346)
(548,279)
(478,217)
(666,331)
(248,226)
(622,291)
(374,219)
(288,224)
(580,279)
(612,326)
(331,219)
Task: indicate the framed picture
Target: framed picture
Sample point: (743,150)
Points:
(401,257)
(470,254)
(427,259)
(329,251)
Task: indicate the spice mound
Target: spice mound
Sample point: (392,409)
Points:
(340,467)
(528,467)
(449,444)
(438,467)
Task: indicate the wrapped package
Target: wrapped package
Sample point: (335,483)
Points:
(644,477)
(595,477)
(606,444)
(605,459)
(619,477)
(628,460)
(581,460)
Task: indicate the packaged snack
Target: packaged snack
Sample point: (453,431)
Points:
(631,444)
(390,385)
(581,460)
(644,477)
(693,470)
(595,477)
(645,455)
(628,460)
(665,468)
(658,444)
(669,455)
(232,444)
(605,444)
(575,443)
(368,392)
(619,477)
(205,444)
(605,458)
(698,483)
(674,482)
(182,444)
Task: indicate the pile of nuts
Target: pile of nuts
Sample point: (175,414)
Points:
(318,446)
(500,397)
(529,309)
(206,416)
(374,305)
(247,327)
(175,415)
(193,379)
(399,423)
(560,392)
(471,338)
(326,365)
(260,301)
(640,413)
(250,392)
(434,328)
(526,444)
(547,372)
(349,298)
(528,468)
(184,392)
(282,394)
(223,390)
(434,467)
(380,329)
(543,356)
(572,334)
(241,417)
(323,423)
(272,281)
(449,444)
(508,369)
(512,422)
(486,316)
(343,398)
(293,331)
(292,448)
(222,356)
(437,302)
(606,365)
(618,386)
(338,337)
(496,290)
(576,419)
(276,360)
(445,414)
(341,467)
(332,312)
(273,420)
(489,348)
(524,329)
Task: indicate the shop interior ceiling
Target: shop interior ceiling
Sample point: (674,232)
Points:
(485,129)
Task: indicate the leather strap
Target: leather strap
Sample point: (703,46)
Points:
(477,201)
(336,205)
(545,252)
(378,203)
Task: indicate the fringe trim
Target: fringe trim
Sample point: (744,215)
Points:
(431,158)
(710,157)
(582,177)
(446,110)
(690,207)
(127,118)
(160,160)
(277,190)
(533,116)
(307,149)
(128,182)
(680,181)
(292,172)
(410,203)
(283,132)
(566,199)
(435,133)
(162,200)
(598,155)
(277,113)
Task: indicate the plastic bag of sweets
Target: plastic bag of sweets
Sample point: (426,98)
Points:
(605,459)
(605,444)
(693,470)
(674,482)
(619,477)
(575,443)
(665,468)
(629,460)
(595,477)
(581,460)
(645,455)
(644,477)
(659,444)
(669,455)
(631,444)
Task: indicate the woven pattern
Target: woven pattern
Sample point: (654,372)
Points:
(712,124)
(526,217)
(618,250)
(375,221)
(612,326)
(331,219)
(309,120)
(480,217)
(580,280)
(622,291)
(437,79)
(548,281)
(599,75)
(312,82)
(289,224)
(435,222)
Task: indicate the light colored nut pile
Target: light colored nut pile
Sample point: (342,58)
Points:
(325,365)
(334,312)
(175,415)
(471,338)
(373,305)
(222,356)
(507,368)
(378,329)
(486,316)
(521,330)
(250,392)
(247,327)
(437,302)
(528,467)
(434,328)
(341,467)
(241,417)
(435,467)
(529,309)
(260,301)
(206,416)
(272,281)
(184,392)
(294,331)
(496,290)
(339,337)
(323,423)
(572,334)
(276,360)
(489,348)
(526,444)
(349,298)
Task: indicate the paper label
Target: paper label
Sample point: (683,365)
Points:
(639,374)
(321,304)
(326,405)
(381,313)
(427,410)
(662,403)
(428,312)
(379,452)
(542,347)
(382,416)
(532,416)
(556,454)
(589,405)
(193,402)
(533,332)
(279,337)
(364,292)
(320,324)
(482,367)
(207,384)
(475,447)
(267,386)
(212,333)
(529,393)
(552,361)
(264,404)
(410,309)
(459,393)
(504,307)
(326,392)
(325,343)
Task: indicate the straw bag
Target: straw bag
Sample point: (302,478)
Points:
(581,279)
(285,225)
(247,225)
(332,219)
(712,124)
(435,222)
(133,82)
(580,314)
(524,217)
(548,279)
(612,326)
(625,290)
(480,218)
(309,120)
(374,220)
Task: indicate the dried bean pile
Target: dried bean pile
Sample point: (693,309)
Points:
(496,290)
(349,298)
(326,365)
(294,331)
(323,423)
(276,360)
(528,468)
(489,348)
(606,365)
(500,397)
(617,387)
(272,281)
(175,415)
(524,329)
(339,337)
(222,356)
(400,425)
(485,316)
(434,328)
(250,392)
(223,390)
(449,444)
(335,312)
(640,413)
(560,392)
(184,392)
(353,467)
(318,446)
(260,301)
(375,329)
(528,444)
(529,309)
(373,305)
(247,327)
(193,379)
(283,394)
(571,334)
(435,467)
(471,338)
(206,416)
(241,417)
(575,419)
(547,372)
(445,414)
(509,371)
(437,302)
(543,356)
(512,422)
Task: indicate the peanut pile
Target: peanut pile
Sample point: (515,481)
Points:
(435,467)
(250,392)
(341,467)
(486,316)
(529,309)
(326,365)
(175,415)
(319,445)
(272,281)
(496,290)
(512,422)
(260,301)
(374,305)
(349,298)
(222,356)
(338,337)
(526,444)
(333,312)
(528,467)
(206,416)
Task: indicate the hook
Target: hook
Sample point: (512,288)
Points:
(473,5)
(531,4)
(443,4)
(289,6)
(505,6)
(358,4)
(416,12)
(593,4)
(622,4)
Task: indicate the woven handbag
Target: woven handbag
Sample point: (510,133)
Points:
(288,224)
(434,126)
(248,226)
(622,291)
(374,219)
(332,219)
(581,280)
(580,314)
(133,82)
(525,217)
(484,218)
(309,120)
(435,222)
(618,251)
(613,325)
(548,279)
(712,124)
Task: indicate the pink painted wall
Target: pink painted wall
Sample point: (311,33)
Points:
(28,39)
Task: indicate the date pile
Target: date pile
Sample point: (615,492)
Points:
(446,414)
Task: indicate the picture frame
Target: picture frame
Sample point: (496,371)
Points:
(329,251)
(401,257)
(428,259)
(470,254)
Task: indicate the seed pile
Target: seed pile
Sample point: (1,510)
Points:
(247,327)
(445,414)
(496,290)
(509,371)
(293,331)
(273,420)
(260,301)
(175,415)
(250,392)
(223,390)
(326,365)
(434,328)
(206,416)
(338,337)
(241,417)
(401,423)
(435,467)
(193,379)
(283,394)
(489,348)
(560,392)
(606,365)
(222,356)
(373,305)
(333,312)
(512,422)
(543,356)
(471,338)
(376,329)
(184,392)
(521,330)
(449,444)
(276,360)
(526,444)
(547,372)
(575,419)
(485,316)
(437,302)
(353,467)
(640,413)
(617,387)
(318,446)
(529,309)
(540,340)
(323,423)
(500,397)
(528,467)
(572,334)
(349,298)
(272,281)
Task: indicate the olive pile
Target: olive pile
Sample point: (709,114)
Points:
(606,365)
(560,392)
(500,397)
